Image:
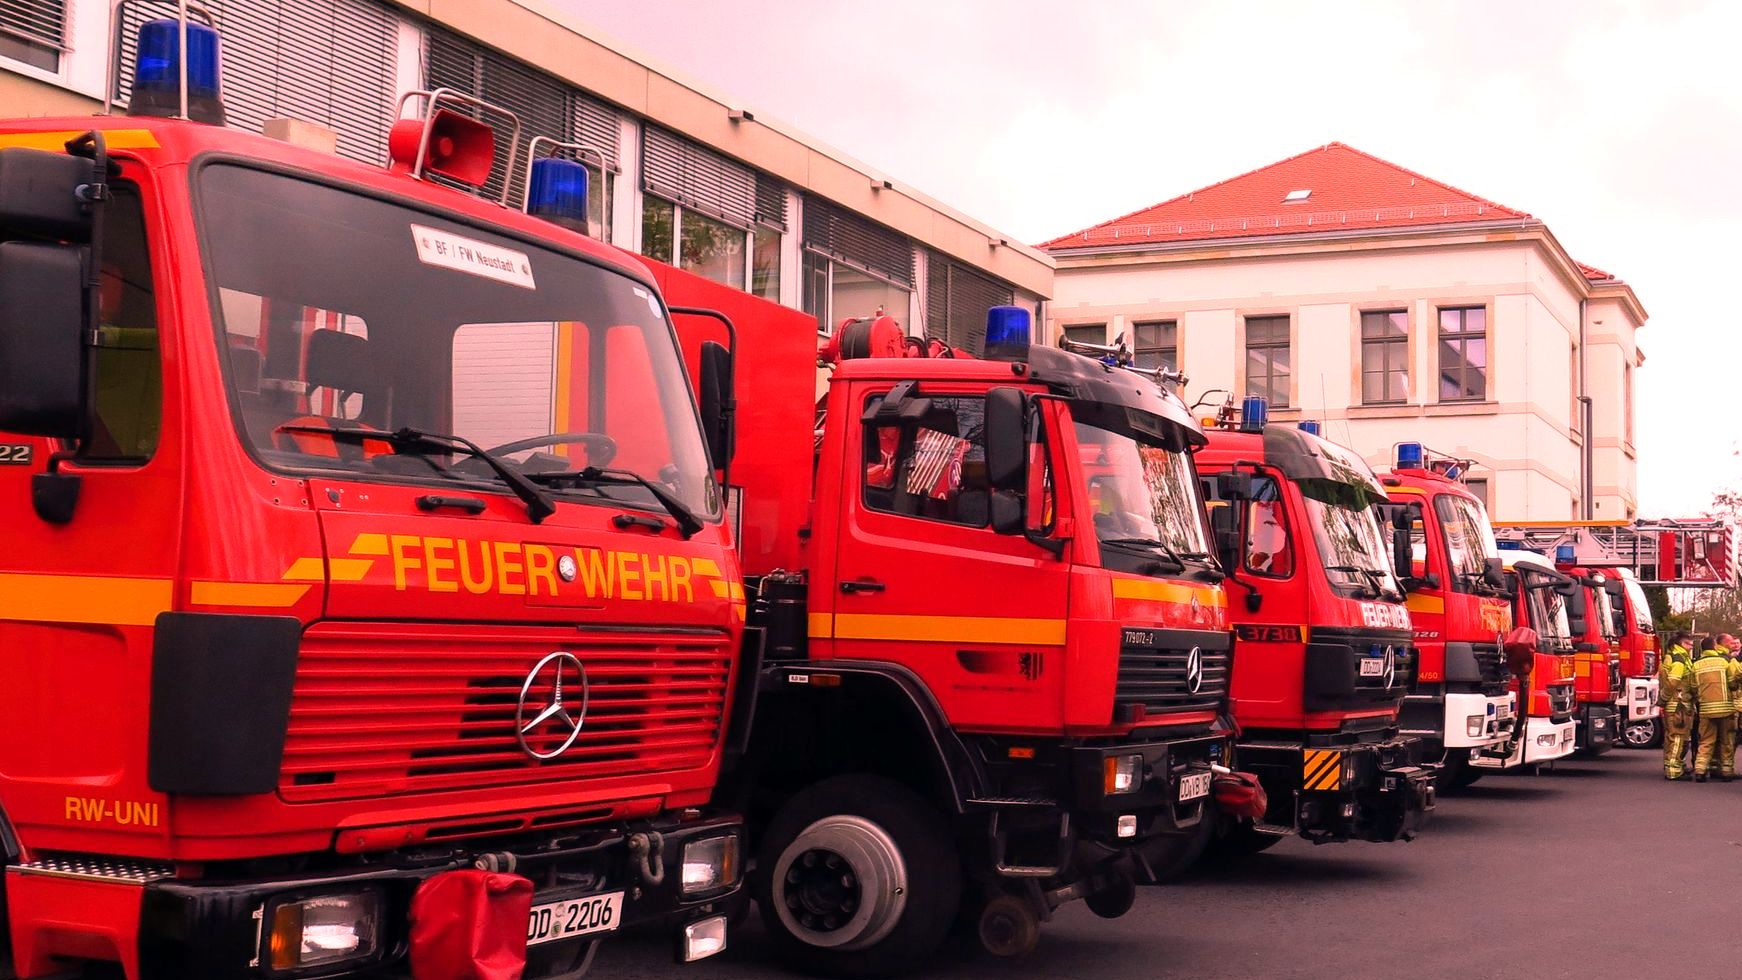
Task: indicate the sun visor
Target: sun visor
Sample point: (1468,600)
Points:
(1117,400)
(1323,469)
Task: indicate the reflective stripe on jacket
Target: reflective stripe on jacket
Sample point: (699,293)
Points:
(1713,677)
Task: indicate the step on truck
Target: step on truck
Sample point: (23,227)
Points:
(1547,690)
(1323,650)
(1460,609)
(996,637)
(302,680)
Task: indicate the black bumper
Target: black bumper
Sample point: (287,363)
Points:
(1370,791)
(213,929)
(1599,728)
(1155,800)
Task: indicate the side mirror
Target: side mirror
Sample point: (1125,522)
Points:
(39,195)
(718,404)
(1225,524)
(1234,485)
(1494,572)
(1007,440)
(1520,646)
(1615,587)
(1574,594)
(42,321)
(1402,554)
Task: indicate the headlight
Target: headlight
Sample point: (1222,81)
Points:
(709,864)
(1473,725)
(1121,774)
(327,929)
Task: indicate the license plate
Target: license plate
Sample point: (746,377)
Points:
(1503,711)
(573,917)
(1194,786)
(1372,667)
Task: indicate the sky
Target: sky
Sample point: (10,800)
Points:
(1619,124)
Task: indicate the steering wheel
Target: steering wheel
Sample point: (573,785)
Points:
(601,448)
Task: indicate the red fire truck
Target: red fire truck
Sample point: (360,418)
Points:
(1697,553)
(301,680)
(1460,608)
(997,639)
(1602,696)
(1323,646)
(1547,691)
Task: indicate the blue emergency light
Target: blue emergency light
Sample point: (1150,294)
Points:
(1563,554)
(1311,427)
(557,192)
(1254,412)
(1409,455)
(1008,332)
(157,72)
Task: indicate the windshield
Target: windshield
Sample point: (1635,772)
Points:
(341,310)
(1469,538)
(1354,549)
(1141,493)
(1548,608)
(1640,609)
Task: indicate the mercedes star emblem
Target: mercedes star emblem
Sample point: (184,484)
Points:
(1195,670)
(1390,667)
(557,710)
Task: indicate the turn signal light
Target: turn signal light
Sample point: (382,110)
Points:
(1121,774)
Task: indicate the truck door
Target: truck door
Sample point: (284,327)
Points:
(922,580)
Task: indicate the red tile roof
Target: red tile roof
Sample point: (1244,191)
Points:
(1593,273)
(1350,190)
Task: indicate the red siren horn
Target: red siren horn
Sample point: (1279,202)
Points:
(460,148)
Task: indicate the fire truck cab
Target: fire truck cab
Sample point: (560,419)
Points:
(1641,712)
(1547,691)
(1597,661)
(1460,609)
(301,679)
(997,638)
(1324,652)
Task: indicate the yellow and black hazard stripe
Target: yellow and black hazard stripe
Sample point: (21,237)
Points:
(1321,769)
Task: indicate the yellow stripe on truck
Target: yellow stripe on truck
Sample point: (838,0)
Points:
(1142,588)
(84,598)
(948,629)
(261,595)
(114,139)
(1418,603)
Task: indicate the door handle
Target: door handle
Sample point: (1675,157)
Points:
(436,501)
(862,585)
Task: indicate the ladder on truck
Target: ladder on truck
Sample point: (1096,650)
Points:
(1698,553)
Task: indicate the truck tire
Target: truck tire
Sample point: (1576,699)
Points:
(857,876)
(1643,735)
(1456,773)
(1168,858)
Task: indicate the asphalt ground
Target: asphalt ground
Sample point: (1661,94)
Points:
(1595,869)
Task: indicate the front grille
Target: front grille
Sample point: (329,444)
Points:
(1560,702)
(388,710)
(1491,663)
(1156,679)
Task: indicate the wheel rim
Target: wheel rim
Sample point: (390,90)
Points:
(1638,734)
(841,884)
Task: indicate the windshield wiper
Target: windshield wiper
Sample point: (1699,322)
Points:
(687,522)
(538,503)
(1149,544)
(1374,583)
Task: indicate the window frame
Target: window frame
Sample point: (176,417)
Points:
(825,315)
(1387,344)
(1460,339)
(675,259)
(81,455)
(1066,328)
(27,44)
(867,434)
(1167,353)
(1270,376)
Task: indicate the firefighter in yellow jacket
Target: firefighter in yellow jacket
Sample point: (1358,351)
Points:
(1676,696)
(1715,677)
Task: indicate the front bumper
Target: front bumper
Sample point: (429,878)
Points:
(1598,728)
(1167,768)
(1544,740)
(1494,720)
(1638,702)
(214,929)
(1374,791)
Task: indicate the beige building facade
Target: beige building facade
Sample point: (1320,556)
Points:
(681,172)
(1479,338)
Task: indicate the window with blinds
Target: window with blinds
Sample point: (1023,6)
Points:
(38,22)
(545,105)
(770,201)
(956,300)
(331,62)
(858,241)
(696,177)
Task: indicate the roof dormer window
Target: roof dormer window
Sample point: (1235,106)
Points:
(1295,197)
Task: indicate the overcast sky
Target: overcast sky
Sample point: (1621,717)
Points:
(1619,124)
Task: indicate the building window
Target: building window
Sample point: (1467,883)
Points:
(1384,357)
(1268,359)
(836,291)
(1479,488)
(1086,333)
(1463,354)
(957,298)
(1627,401)
(1155,344)
(709,248)
(765,263)
(33,32)
(1577,423)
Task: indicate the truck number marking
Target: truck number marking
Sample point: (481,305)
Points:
(473,257)
(122,813)
(15,454)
